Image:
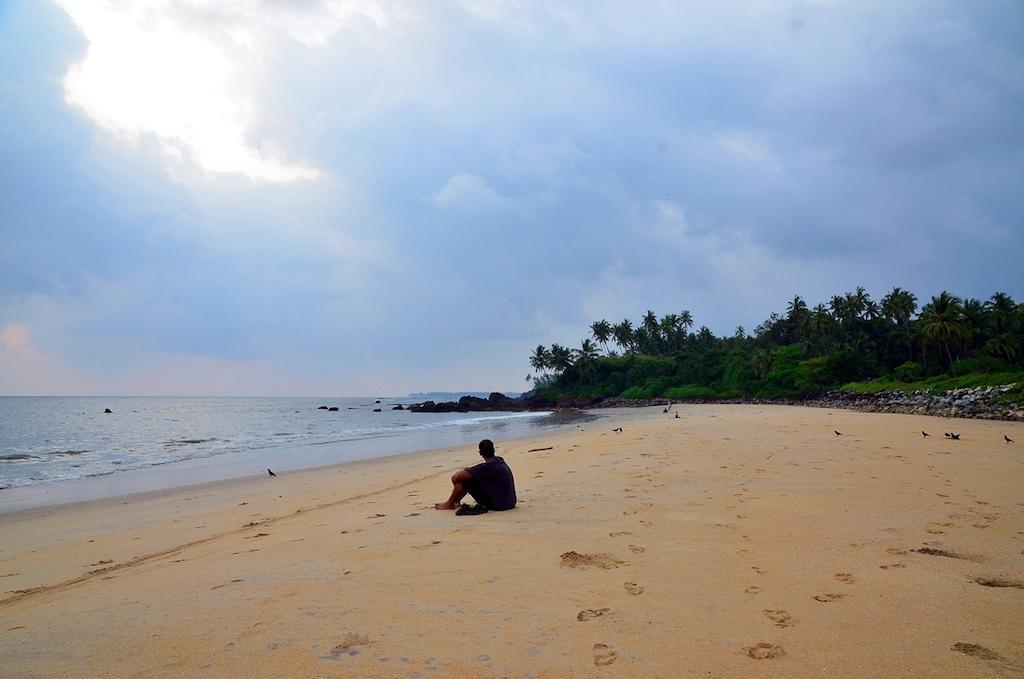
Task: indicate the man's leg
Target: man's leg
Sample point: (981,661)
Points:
(477,493)
(458,492)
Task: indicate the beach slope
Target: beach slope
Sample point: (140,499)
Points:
(732,541)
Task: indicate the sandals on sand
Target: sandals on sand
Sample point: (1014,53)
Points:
(466,510)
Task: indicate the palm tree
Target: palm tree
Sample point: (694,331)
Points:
(975,321)
(861,300)
(540,359)
(650,322)
(797,317)
(668,326)
(1002,310)
(561,357)
(602,332)
(1004,345)
(685,320)
(941,321)
(796,308)
(897,307)
(587,351)
(623,334)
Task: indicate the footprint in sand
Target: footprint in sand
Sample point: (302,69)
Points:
(591,613)
(226,584)
(890,566)
(759,571)
(896,551)
(602,560)
(637,549)
(753,589)
(778,616)
(619,533)
(633,588)
(604,655)
(982,653)
(764,651)
(845,578)
(828,598)
(999,582)
(349,645)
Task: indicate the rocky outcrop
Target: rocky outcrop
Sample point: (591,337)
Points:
(471,404)
(969,402)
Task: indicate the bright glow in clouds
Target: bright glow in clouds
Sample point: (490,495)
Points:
(14,335)
(155,67)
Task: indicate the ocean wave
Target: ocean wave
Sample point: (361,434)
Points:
(17,457)
(186,442)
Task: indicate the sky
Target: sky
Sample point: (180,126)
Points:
(331,197)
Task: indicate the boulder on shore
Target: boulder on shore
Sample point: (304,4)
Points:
(471,404)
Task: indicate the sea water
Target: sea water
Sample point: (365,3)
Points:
(45,440)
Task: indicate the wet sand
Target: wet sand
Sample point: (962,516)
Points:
(734,541)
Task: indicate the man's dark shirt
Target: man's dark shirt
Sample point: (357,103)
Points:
(492,479)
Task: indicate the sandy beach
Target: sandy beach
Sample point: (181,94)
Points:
(735,541)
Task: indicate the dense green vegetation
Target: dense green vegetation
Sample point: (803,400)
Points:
(853,342)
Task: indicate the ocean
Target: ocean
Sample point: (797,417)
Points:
(47,441)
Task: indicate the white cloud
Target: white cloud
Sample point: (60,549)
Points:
(749,149)
(468,193)
(180,71)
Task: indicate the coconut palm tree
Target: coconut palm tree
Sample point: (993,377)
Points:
(540,359)
(941,322)
(897,307)
(1002,310)
(975,319)
(623,334)
(685,320)
(668,328)
(602,332)
(1004,345)
(561,357)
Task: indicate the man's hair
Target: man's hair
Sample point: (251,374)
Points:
(487,448)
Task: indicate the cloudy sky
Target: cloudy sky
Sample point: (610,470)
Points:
(331,197)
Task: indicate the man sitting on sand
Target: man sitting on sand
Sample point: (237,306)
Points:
(490,483)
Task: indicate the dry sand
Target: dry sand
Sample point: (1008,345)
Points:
(736,541)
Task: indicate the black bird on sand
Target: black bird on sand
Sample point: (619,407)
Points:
(617,429)
(677,416)
(271,473)
(837,433)
(955,437)
(925,434)
(946,435)
(1007,438)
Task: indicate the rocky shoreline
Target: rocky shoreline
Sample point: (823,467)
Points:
(968,402)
